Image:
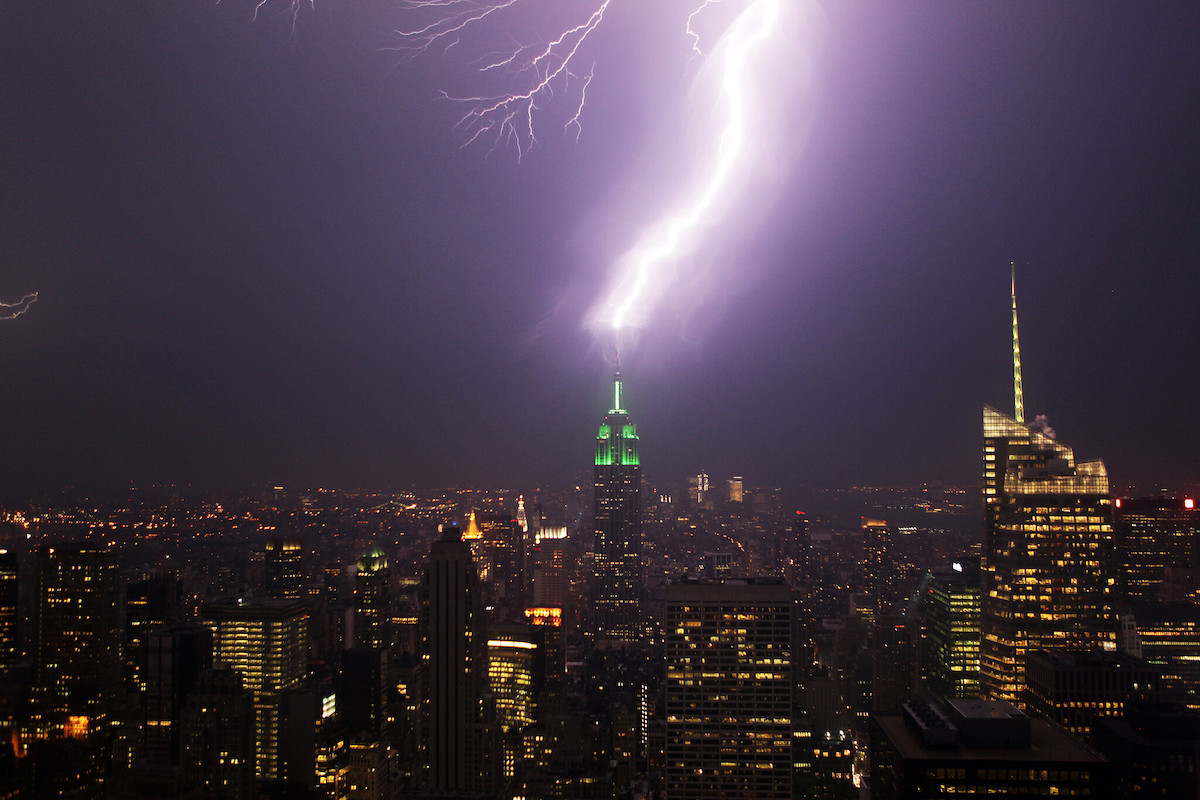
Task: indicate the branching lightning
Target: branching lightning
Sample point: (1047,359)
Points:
(507,119)
(514,84)
(14,310)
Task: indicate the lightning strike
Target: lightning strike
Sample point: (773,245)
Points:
(14,310)
(645,273)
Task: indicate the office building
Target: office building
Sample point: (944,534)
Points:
(150,604)
(729,689)
(1168,637)
(515,673)
(10,646)
(265,641)
(617,588)
(77,665)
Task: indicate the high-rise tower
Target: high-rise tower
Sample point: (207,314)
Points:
(456,740)
(618,527)
(1047,534)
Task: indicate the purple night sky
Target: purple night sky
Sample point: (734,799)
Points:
(264,257)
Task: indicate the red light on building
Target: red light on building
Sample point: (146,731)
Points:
(1189,503)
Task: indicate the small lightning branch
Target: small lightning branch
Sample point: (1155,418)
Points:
(14,310)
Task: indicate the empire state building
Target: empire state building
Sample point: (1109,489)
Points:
(617,591)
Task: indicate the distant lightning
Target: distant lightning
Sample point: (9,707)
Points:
(14,310)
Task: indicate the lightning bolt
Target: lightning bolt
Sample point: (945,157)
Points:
(645,272)
(14,310)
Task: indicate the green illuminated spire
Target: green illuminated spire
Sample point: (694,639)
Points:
(617,439)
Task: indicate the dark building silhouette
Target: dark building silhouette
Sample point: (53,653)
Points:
(457,739)
(617,588)
(362,694)
(174,659)
(1154,750)
(217,736)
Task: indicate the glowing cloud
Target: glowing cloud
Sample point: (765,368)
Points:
(14,310)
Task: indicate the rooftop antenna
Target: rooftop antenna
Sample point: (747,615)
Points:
(1020,402)
(617,377)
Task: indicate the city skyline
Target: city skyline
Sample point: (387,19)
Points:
(262,257)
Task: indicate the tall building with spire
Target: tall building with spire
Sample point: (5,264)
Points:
(617,591)
(1047,534)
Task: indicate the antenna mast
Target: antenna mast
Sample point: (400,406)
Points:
(617,376)
(1020,402)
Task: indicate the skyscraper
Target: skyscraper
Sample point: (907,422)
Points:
(617,596)
(265,640)
(729,689)
(453,671)
(1047,534)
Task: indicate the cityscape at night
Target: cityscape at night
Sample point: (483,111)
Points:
(523,399)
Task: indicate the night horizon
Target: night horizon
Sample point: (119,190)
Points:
(264,256)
